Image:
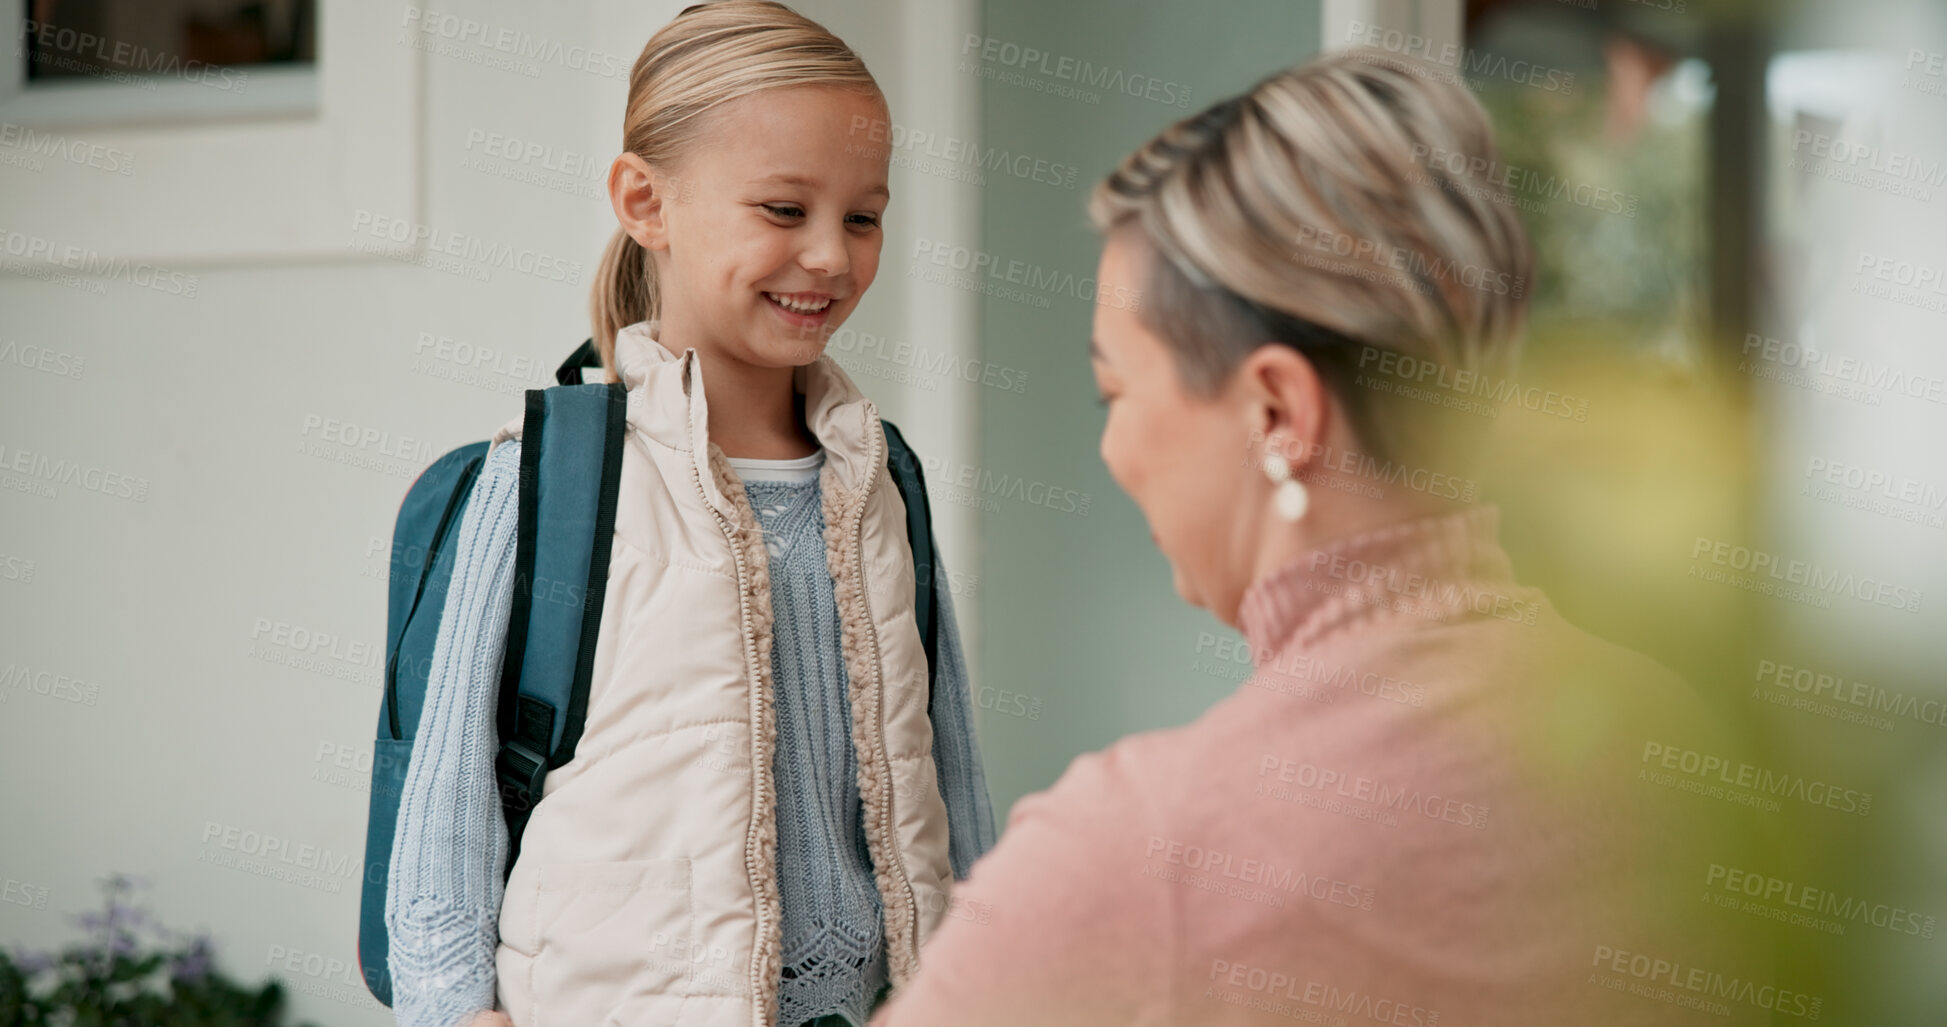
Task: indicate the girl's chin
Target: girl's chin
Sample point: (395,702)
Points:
(800,333)
(788,351)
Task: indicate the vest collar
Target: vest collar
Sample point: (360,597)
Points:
(668,404)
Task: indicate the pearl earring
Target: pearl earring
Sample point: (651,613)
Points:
(1290,499)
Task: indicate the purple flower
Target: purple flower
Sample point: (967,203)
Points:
(195,962)
(31,963)
(123,916)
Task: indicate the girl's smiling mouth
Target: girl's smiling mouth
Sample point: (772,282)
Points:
(801,308)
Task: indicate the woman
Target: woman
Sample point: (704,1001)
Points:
(1435,802)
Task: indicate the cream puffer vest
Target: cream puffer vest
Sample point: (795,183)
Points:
(646,887)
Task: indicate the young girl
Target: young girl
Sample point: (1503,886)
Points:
(761,822)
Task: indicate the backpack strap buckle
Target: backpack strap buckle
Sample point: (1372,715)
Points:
(521,771)
(522,764)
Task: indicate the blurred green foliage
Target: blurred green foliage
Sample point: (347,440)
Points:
(130,972)
(1602,277)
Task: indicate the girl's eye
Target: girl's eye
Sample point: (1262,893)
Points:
(785,210)
(868,220)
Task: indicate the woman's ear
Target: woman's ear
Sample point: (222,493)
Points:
(636,192)
(1283,398)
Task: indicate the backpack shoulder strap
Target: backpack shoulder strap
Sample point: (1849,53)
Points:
(584,356)
(571,468)
(904,466)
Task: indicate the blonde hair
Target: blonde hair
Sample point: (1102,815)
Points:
(708,55)
(1325,209)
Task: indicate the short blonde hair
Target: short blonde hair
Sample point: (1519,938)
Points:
(1323,209)
(708,55)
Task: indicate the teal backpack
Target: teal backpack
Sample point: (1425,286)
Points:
(571,465)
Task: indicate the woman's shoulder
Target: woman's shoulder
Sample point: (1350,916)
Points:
(1124,787)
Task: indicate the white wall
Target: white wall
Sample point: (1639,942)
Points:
(167,608)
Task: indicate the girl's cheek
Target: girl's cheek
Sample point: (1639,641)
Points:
(865,266)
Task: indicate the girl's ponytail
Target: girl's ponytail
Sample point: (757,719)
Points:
(625,292)
(710,54)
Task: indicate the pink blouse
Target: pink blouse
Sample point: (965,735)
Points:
(1434,802)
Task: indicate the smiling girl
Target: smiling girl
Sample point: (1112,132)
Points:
(765,813)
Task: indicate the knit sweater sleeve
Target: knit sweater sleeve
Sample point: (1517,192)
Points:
(956,752)
(442,909)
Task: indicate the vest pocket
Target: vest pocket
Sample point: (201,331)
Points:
(615,942)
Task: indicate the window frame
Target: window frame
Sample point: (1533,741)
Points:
(276,168)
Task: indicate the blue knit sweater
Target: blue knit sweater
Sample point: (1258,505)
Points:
(443,904)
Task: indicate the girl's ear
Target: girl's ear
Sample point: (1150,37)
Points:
(636,192)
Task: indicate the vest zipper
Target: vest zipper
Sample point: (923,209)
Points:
(759,988)
(880,754)
(762,1005)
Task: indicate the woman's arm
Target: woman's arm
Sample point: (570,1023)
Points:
(1059,926)
(442,908)
(956,753)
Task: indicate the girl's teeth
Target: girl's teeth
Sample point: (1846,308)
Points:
(797,306)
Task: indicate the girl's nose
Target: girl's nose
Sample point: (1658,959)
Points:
(825,251)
